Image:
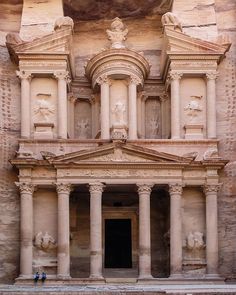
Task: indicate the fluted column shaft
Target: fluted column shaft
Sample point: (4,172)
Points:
(26,228)
(133,82)
(63,251)
(25,103)
(105,106)
(211,229)
(96,190)
(144,191)
(211,104)
(175,104)
(62,78)
(175,191)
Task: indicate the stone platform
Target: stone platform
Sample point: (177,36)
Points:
(119,289)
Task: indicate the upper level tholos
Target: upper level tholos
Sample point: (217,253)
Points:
(120,93)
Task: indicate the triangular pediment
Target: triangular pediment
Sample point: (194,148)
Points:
(181,42)
(121,153)
(58,42)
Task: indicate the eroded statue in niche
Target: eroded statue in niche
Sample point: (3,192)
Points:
(195,241)
(119,113)
(171,19)
(83,128)
(154,127)
(193,107)
(44,109)
(44,241)
(117,34)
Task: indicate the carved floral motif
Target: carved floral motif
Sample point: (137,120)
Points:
(24,75)
(117,34)
(175,188)
(211,188)
(175,75)
(144,188)
(212,75)
(25,187)
(96,187)
(63,188)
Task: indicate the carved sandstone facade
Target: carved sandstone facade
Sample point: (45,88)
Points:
(118,158)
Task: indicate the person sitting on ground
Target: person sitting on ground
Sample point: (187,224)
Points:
(44,277)
(36,277)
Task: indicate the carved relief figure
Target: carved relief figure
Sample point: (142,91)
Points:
(170,18)
(83,128)
(119,113)
(193,107)
(117,34)
(194,241)
(154,127)
(44,109)
(44,242)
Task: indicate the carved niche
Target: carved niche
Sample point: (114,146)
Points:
(83,119)
(153,118)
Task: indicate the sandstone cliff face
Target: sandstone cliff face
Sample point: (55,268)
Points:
(202,18)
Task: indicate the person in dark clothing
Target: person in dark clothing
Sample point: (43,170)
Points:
(36,278)
(44,277)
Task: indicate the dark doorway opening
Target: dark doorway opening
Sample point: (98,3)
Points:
(118,243)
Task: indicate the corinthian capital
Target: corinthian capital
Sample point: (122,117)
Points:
(212,75)
(163,97)
(63,187)
(135,80)
(103,80)
(62,75)
(96,187)
(175,188)
(175,75)
(24,74)
(211,188)
(144,188)
(25,187)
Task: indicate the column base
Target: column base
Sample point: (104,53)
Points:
(213,277)
(63,277)
(97,278)
(176,276)
(145,277)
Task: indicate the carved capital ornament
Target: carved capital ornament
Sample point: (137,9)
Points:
(212,75)
(175,75)
(175,189)
(64,188)
(211,188)
(144,188)
(96,187)
(25,187)
(24,75)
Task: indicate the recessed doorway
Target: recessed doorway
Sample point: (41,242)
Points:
(118,243)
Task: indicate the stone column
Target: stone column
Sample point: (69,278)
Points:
(63,79)
(104,82)
(211,229)
(133,82)
(63,227)
(96,190)
(164,118)
(139,114)
(175,104)
(26,228)
(71,114)
(175,191)
(144,191)
(143,114)
(211,104)
(25,103)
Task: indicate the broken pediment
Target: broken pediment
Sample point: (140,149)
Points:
(112,153)
(58,41)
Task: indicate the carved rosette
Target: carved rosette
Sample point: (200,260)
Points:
(175,189)
(175,75)
(212,75)
(62,75)
(63,188)
(24,75)
(96,187)
(211,189)
(25,187)
(144,188)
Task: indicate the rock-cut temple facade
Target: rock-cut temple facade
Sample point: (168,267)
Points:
(118,140)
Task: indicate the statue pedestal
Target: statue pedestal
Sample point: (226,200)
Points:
(193,131)
(43,130)
(119,132)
